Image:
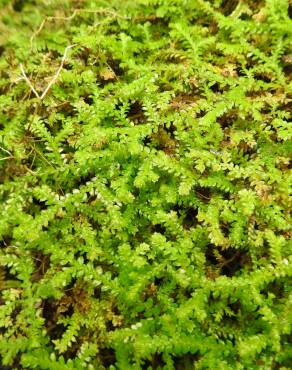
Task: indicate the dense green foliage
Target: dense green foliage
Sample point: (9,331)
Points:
(145,164)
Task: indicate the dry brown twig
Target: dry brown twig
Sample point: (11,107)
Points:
(8,152)
(3,159)
(28,81)
(73,15)
(53,80)
(55,77)
(5,150)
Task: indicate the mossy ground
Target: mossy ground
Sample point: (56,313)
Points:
(145,177)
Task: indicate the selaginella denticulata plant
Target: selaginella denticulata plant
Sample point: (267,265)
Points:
(145,169)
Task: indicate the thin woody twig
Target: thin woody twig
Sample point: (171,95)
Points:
(28,81)
(75,12)
(5,150)
(8,152)
(38,31)
(2,159)
(53,80)
(50,18)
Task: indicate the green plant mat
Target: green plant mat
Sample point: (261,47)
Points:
(145,170)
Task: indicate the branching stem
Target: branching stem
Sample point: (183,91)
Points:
(73,15)
(53,80)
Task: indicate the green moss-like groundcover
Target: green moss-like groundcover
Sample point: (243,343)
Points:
(145,161)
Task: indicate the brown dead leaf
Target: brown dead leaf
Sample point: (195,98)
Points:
(107,74)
